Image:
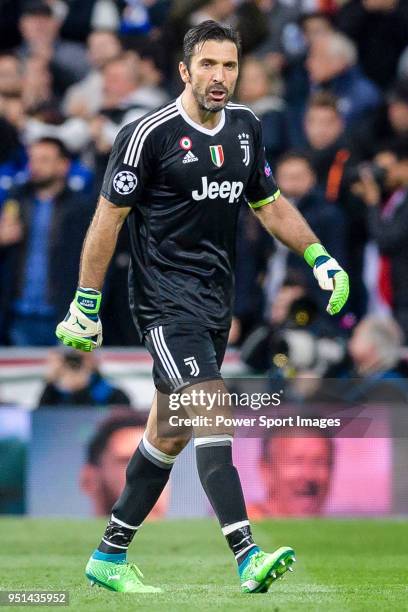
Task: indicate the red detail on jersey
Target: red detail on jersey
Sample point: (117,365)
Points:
(185,143)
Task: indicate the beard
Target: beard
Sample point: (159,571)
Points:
(43,182)
(209,104)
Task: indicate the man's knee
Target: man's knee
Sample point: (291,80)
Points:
(169,445)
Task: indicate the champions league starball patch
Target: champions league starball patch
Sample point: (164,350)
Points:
(125,182)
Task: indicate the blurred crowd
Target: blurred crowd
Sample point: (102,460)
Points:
(329,81)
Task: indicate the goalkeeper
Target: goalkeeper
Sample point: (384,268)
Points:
(178,176)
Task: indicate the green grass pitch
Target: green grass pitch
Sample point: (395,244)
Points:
(341,565)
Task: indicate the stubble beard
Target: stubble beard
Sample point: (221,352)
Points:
(210,106)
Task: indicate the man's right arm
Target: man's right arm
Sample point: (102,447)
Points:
(82,328)
(100,243)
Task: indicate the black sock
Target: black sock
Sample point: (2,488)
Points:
(146,476)
(222,485)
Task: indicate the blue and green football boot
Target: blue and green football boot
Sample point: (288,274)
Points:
(261,569)
(122,577)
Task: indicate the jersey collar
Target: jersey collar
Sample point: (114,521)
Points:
(197,126)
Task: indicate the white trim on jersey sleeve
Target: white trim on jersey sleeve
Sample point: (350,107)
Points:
(143,129)
(232,106)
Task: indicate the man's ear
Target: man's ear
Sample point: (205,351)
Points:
(184,73)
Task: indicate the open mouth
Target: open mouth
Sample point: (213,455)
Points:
(218,95)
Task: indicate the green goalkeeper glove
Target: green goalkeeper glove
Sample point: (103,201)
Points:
(82,328)
(330,276)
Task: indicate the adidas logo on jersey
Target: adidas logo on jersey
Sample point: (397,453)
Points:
(189,157)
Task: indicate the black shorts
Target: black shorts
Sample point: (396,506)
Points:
(185,354)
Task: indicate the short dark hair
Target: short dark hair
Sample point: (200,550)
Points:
(324,99)
(36,7)
(119,419)
(208,30)
(57,143)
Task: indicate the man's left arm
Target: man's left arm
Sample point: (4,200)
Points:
(285,222)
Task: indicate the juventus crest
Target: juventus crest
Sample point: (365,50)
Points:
(244,144)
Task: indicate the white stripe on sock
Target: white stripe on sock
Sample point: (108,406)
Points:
(119,522)
(244,551)
(114,545)
(230,528)
(158,454)
(212,439)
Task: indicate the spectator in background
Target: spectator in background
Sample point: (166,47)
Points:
(40,33)
(86,97)
(42,227)
(282,28)
(254,90)
(125,99)
(380,31)
(246,17)
(296,472)
(108,453)
(388,227)
(297,179)
(372,372)
(332,65)
(297,86)
(326,145)
(10,74)
(375,347)
(83,16)
(73,379)
(330,155)
(388,127)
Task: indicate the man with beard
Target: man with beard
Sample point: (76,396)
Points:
(108,452)
(179,175)
(42,226)
(296,471)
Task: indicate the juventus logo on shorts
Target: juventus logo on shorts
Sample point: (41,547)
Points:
(244,144)
(194,369)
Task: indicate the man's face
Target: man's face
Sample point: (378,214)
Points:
(46,164)
(253,82)
(102,46)
(119,80)
(298,475)
(398,116)
(114,459)
(362,349)
(322,64)
(10,74)
(315,26)
(38,28)
(323,126)
(295,178)
(213,74)
(106,481)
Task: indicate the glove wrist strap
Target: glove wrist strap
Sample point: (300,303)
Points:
(88,300)
(314,251)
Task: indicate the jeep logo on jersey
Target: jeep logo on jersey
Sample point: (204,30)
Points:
(214,190)
(217,155)
(125,182)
